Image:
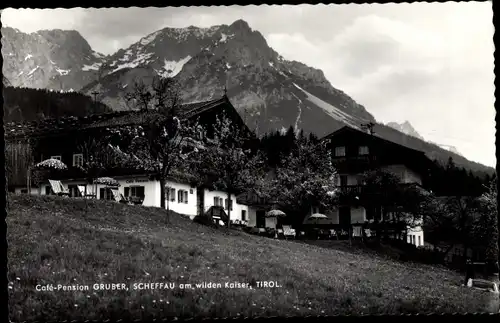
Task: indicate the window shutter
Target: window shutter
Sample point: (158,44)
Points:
(172,194)
(186,197)
(101,193)
(225,204)
(215,201)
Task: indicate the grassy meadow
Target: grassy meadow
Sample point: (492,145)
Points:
(54,240)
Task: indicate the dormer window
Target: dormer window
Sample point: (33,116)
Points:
(363,150)
(78,160)
(339,151)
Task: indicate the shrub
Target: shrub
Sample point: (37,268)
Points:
(204,220)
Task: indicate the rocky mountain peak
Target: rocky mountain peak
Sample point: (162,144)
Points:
(405,128)
(53,59)
(241,25)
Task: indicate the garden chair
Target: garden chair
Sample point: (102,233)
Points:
(83,192)
(333,233)
(357,232)
(288,231)
(58,188)
(118,196)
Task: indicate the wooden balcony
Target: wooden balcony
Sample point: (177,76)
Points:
(353,164)
(364,158)
(351,189)
(361,191)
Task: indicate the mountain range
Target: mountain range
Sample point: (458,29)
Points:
(408,129)
(269,92)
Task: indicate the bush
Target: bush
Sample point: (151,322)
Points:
(204,220)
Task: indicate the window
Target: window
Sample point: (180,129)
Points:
(24,191)
(48,190)
(134,191)
(230,204)
(339,151)
(55,157)
(106,194)
(243,215)
(182,196)
(170,192)
(77,159)
(363,150)
(217,201)
(419,241)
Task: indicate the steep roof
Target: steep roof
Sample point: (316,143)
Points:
(112,119)
(375,136)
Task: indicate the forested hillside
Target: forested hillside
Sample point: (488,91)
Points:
(24,104)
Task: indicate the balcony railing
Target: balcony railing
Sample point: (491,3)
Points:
(363,189)
(363,158)
(351,189)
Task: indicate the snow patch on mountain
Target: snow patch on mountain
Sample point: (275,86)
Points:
(126,57)
(28,57)
(140,59)
(277,70)
(33,70)
(62,72)
(328,108)
(300,110)
(94,67)
(172,68)
(148,39)
(228,66)
(224,37)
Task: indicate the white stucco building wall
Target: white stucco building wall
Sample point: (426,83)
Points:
(416,236)
(188,208)
(235,213)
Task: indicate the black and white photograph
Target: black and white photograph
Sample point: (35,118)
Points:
(250,161)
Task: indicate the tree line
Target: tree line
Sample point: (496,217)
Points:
(26,104)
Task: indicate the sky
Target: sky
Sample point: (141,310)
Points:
(428,63)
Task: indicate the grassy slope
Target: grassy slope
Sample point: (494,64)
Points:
(53,240)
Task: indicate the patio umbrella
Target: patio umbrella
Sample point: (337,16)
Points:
(51,164)
(107,181)
(274,213)
(318,216)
